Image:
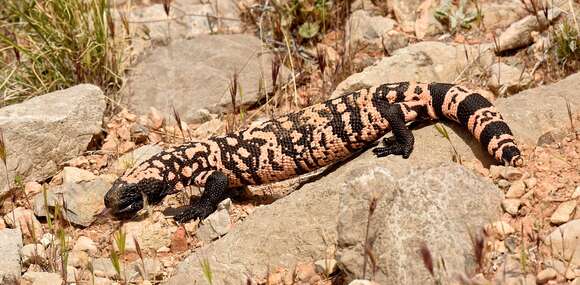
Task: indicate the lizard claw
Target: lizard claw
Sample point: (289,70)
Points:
(195,211)
(394,149)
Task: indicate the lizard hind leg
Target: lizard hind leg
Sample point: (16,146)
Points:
(403,139)
(216,190)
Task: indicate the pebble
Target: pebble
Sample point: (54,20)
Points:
(32,188)
(502,183)
(78,259)
(84,243)
(546,275)
(531,182)
(33,253)
(156,118)
(516,190)
(178,241)
(47,239)
(102,281)
(42,278)
(499,229)
(511,173)
(164,249)
(576,193)
(511,206)
(563,213)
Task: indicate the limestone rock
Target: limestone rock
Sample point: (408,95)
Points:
(563,243)
(364,28)
(81,192)
(43,278)
(506,79)
(563,213)
(10,245)
(519,34)
(422,62)
(46,131)
(196,73)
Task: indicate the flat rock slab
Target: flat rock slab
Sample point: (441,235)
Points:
(422,62)
(196,74)
(536,113)
(45,131)
(10,245)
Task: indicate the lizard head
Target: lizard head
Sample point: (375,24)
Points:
(128,192)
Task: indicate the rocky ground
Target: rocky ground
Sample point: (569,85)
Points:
(446,215)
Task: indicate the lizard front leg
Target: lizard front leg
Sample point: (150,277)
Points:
(398,115)
(216,189)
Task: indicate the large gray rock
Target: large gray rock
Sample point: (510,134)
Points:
(310,222)
(195,74)
(10,245)
(47,130)
(186,18)
(423,62)
(433,207)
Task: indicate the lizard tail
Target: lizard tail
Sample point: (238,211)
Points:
(479,116)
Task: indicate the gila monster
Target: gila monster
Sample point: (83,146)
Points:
(308,139)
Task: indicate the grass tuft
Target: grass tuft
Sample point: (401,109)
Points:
(54,44)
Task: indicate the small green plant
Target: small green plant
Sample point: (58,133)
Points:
(456,17)
(443,131)
(566,40)
(63,251)
(206,269)
(117,259)
(54,44)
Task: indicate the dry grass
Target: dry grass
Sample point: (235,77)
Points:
(55,44)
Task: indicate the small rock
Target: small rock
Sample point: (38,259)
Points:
(505,79)
(78,259)
(500,229)
(150,235)
(33,253)
(84,243)
(563,213)
(564,243)
(165,249)
(208,128)
(576,193)
(519,34)
(72,274)
(156,118)
(546,275)
(32,188)
(531,182)
(364,28)
(104,268)
(42,278)
(516,190)
(81,191)
(136,157)
(511,173)
(217,224)
(25,221)
(511,206)
(326,266)
(495,171)
(503,184)
(305,271)
(47,239)
(153,269)
(394,40)
(10,245)
(178,241)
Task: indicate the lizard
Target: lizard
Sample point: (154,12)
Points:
(308,139)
